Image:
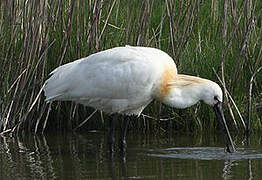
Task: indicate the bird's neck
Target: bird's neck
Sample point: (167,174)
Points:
(184,91)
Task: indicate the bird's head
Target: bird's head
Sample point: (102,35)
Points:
(213,96)
(211,93)
(186,91)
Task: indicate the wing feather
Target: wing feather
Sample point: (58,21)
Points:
(117,78)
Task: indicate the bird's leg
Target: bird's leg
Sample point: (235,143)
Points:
(123,130)
(111,138)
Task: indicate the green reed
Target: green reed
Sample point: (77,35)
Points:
(38,36)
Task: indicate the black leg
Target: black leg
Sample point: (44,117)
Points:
(111,138)
(123,130)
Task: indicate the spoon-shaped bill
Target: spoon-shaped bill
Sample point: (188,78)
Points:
(220,116)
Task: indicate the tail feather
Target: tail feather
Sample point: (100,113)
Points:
(57,85)
(52,98)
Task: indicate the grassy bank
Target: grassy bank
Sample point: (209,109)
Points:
(204,38)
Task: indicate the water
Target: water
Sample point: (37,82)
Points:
(85,156)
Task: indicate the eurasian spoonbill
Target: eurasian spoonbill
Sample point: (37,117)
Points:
(124,80)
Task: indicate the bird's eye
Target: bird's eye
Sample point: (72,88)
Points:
(216,98)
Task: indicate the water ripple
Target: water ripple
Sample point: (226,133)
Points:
(206,153)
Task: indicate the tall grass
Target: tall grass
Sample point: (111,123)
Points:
(37,36)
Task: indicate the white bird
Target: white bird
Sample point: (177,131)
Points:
(124,80)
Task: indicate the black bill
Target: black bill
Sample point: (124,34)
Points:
(220,116)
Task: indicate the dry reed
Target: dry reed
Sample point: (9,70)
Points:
(37,36)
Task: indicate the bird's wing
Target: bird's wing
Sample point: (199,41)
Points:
(106,74)
(126,74)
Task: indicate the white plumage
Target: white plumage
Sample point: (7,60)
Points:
(126,79)
(122,79)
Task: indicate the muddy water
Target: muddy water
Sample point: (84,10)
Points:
(85,156)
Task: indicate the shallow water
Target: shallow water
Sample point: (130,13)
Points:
(85,156)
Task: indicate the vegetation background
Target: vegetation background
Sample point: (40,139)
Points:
(212,39)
